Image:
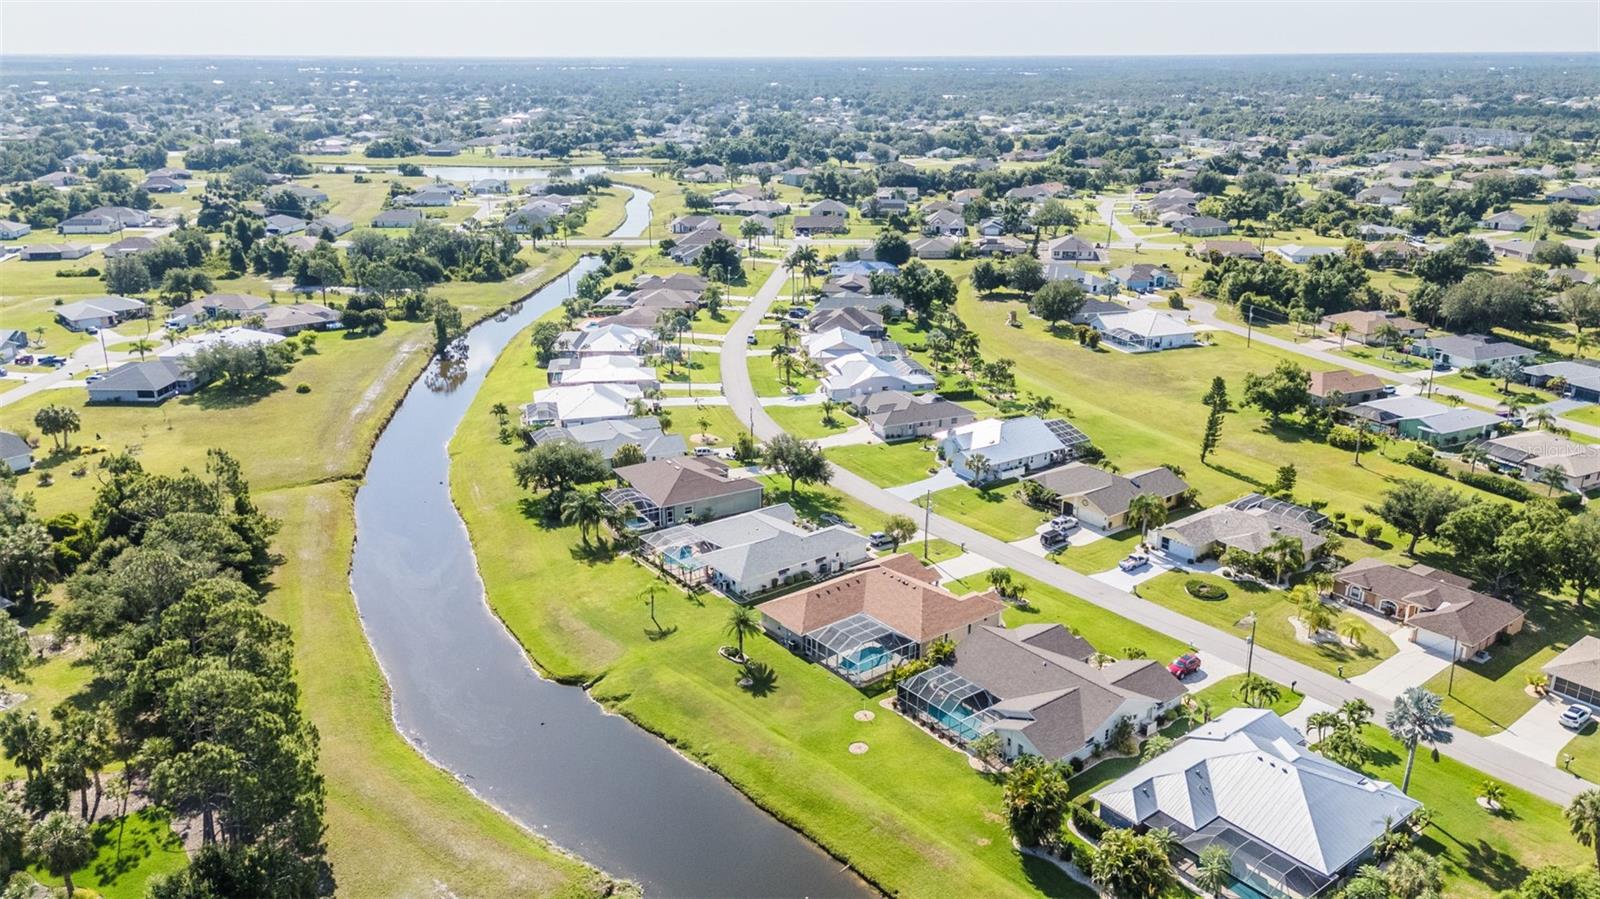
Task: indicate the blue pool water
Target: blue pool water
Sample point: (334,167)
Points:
(1246,891)
(865,659)
(954,723)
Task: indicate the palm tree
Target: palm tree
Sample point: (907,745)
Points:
(1313,614)
(141,347)
(742,622)
(1287,554)
(1322,722)
(62,844)
(1100,660)
(978,464)
(1492,794)
(828,405)
(1583,819)
(1259,691)
(1543,420)
(1216,866)
(788,330)
(1581,343)
(1472,455)
(1343,330)
(1386,334)
(1551,477)
(1196,710)
(787,365)
(585,509)
(1352,631)
(1357,712)
(1418,717)
(1146,512)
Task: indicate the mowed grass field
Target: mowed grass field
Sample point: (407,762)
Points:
(909,814)
(304,454)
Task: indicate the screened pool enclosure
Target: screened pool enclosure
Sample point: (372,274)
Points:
(859,649)
(948,702)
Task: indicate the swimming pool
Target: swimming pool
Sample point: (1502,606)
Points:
(959,725)
(865,659)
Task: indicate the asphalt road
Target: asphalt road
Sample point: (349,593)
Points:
(1500,762)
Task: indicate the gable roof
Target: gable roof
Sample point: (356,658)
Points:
(1327,383)
(669,482)
(1110,493)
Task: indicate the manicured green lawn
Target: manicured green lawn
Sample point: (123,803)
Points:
(1274,630)
(1393,360)
(128,852)
(996,512)
(1589,415)
(1487,698)
(1468,382)
(806,422)
(909,813)
(766,381)
(699,368)
(304,454)
(887,464)
(1101,555)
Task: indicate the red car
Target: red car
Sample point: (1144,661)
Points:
(1184,665)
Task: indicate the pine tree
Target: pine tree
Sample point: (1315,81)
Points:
(1213,434)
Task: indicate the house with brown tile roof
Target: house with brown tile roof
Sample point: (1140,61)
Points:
(1347,386)
(1366,325)
(862,624)
(1447,615)
(1036,689)
(677,491)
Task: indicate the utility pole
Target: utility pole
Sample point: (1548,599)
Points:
(1250,652)
(1249,324)
(1455,653)
(927,514)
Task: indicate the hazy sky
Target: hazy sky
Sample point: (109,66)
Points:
(759,28)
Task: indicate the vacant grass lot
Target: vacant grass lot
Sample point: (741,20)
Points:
(806,422)
(1274,629)
(910,813)
(996,512)
(884,464)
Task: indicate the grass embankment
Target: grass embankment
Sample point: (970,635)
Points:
(304,454)
(909,814)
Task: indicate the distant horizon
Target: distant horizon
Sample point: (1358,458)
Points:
(1310,54)
(826,29)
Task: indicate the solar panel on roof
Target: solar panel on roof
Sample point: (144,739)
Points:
(1063,431)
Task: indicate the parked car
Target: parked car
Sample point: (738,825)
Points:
(52,360)
(93,378)
(797,313)
(26,359)
(1576,716)
(1063,522)
(879,540)
(1388,390)
(751,340)
(91,329)
(1184,665)
(1052,539)
(1134,562)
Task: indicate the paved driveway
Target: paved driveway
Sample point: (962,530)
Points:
(1538,734)
(964,565)
(1410,666)
(931,484)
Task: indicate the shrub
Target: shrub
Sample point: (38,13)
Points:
(1423,458)
(1493,483)
(1373,532)
(303,388)
(1083,857)
(1085,820)
(1345,437)
(1204,590)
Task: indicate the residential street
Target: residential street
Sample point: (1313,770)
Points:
(1494,759)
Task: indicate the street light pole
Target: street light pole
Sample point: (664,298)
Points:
(1250,652)
(1455,653)
(927,514)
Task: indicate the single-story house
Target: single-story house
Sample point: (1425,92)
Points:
(860,321)
(10,230)
(1517,248)
(755,552)
(933,247)
(1100,499)
(1228,249)
(1143,330)
(1582,378)
(15,453)
(1090,282)
(852,377)
(297,317)
(1004,245)
(1575,673)
(825,346)
(605,340)
(128,246)
(433,195)
(1416,418)
(864,623)
(13,342)
(1348,387)
(1300,255)
(162,185)
(1251,524)
(1201,226)
(145,383)
(217,305)
(702,174)
(1530,453)
(1367,325)
(829,209)
(332,225)
(1505,221)
(397,218)
(1449,617)
(1471,351)
(580,404)
(1073,249)
(1381,195)
(807,225)
(282,225)
(688,224)
(667,492)
(236,337)
(53,252)
(795,176)
(897,415)
(606,437)
(687,250)
(595,369)
(1574,193)
(1294,822)
(490,186)
(944,222)
(874,302)
(1035,688)
(99,312)
(104,220)
(1008,447)
(1143,277)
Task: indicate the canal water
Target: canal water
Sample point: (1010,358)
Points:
(465,694)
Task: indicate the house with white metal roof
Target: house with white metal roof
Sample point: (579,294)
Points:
(749,554)
(1143,330)
(854,376)
(580,404)
(1292,822)
(1009,447)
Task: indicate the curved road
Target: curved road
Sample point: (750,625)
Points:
(1493,759)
